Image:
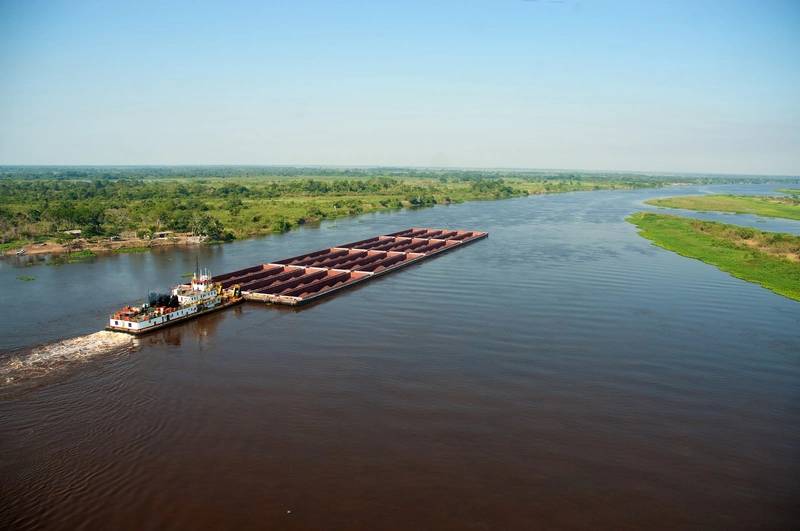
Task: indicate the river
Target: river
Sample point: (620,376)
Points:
(563,373)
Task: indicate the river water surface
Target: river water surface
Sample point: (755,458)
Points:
(562,373)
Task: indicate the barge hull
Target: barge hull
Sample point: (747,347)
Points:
(308,277)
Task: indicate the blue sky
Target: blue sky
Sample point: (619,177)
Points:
(695,86)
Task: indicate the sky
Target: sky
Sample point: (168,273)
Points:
(670,86)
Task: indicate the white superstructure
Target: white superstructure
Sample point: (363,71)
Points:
(200,295)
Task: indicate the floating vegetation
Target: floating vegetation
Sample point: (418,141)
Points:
(26,278)
(131,250)
(79,256)
(72,258)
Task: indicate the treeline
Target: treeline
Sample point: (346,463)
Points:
(113,173)
(191,193)
(220,209)
(137,190)
(94,218)
(43,203)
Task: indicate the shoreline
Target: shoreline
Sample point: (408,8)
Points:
(764,258)
(86,248)
(135,245)
(779,207)
(106,246)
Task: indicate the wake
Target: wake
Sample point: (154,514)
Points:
(43,359)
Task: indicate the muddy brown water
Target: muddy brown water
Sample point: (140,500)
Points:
(562,374)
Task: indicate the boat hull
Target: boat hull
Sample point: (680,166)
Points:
(140,332)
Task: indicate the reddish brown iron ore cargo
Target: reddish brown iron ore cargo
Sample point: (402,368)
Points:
(304,278)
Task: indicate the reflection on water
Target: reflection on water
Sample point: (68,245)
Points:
(563,373)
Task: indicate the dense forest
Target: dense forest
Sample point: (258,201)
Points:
(302,172)
(223,203)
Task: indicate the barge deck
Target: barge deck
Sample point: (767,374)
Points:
(305,278)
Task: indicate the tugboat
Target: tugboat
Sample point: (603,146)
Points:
(186,301)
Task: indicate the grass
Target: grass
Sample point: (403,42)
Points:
(73,257)
(79,256)
(130,250)
(790,191)
(16,244)
(770,259)
(222,209)
(260,216)
(774,207)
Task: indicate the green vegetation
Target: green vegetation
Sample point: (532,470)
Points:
(26,278)
(44,204)
(790,191)
(218,204)
(91,173)
(73,257)
(13,244)
(776,207)
(767,258)
(131,250)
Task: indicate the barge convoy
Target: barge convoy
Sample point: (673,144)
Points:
(292,281)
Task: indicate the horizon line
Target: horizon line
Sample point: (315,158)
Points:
(408,167)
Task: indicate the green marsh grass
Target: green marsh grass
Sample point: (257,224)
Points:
(767,206)
(770,259)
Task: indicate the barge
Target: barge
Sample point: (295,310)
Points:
(291,281)
(308,277)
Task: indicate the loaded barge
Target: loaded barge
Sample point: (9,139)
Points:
(305,278)
(293,281)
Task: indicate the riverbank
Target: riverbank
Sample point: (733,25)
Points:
(95,246)
(768,206)
(766,258)
(42,217)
